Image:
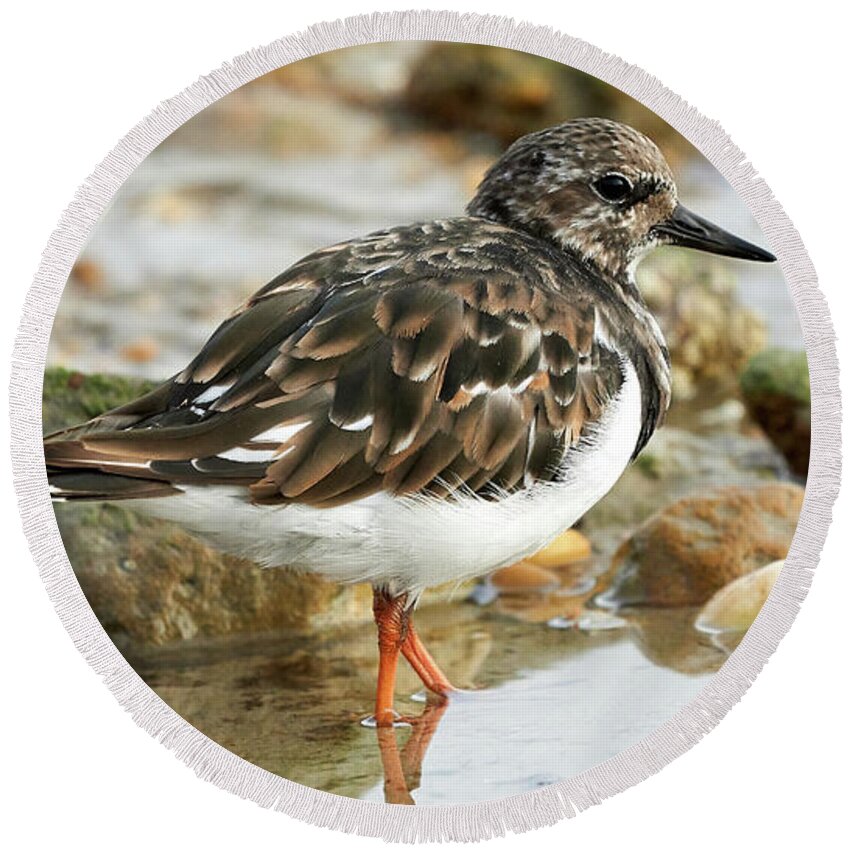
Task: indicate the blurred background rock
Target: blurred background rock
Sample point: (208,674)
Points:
(334,147)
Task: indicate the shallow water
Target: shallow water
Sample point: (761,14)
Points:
(543,704)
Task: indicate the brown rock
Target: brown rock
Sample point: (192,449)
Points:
(524,576)
(88,275)
(567,548)
(141,350)
(150,582)
(689,550)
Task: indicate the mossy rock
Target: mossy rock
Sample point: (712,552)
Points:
(69,397)
(777,372)
(775,388)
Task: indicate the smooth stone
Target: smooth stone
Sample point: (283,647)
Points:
(569,547)
(599,621)
(523,576)
(735,607)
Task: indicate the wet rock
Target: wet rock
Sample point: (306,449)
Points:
(599,621)
(710,334)
(149,582)
(569,547)
(735,607)
(588,621)
(555,582)
(691,549)
(676,464)
(507,93)
(561,622)
(775,387)
(524,576)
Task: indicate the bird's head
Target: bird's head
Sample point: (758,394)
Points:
(600,190)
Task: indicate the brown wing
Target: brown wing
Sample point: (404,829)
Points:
(435,358)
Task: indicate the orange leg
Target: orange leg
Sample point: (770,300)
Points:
(391,617)
(423,663)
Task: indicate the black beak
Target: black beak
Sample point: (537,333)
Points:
(693,231)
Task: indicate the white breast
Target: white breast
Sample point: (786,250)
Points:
(416,542)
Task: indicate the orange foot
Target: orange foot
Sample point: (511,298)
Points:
(396,635)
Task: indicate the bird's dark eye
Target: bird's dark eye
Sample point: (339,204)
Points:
(613,188)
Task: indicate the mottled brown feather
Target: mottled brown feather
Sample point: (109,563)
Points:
(456,354)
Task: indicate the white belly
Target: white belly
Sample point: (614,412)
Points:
(416,542)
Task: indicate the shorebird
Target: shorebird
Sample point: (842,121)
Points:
(427,403)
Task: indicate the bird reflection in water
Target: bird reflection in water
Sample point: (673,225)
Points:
(402,766)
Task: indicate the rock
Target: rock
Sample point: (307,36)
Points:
(142,350)
(506,93)
(599,621)
(561,622)
(676,464)
(70,396)
(775,386)
(522,577)
(149,582)
(88,276)
(554,582)
(588,621)
(735,607)
(569,547)
(692,548)
(710,334)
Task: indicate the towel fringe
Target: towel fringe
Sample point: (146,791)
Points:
(463,822)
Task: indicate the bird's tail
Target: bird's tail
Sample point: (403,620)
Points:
(77,472)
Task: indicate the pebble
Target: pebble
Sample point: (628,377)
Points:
(735,607)
(88,276)
(141,350)
(569,547)
(599,621)
(523,576)
(484,593)
(588,621)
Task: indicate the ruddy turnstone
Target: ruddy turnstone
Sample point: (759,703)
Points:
(427,403)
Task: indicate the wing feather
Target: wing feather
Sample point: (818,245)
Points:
(409,362)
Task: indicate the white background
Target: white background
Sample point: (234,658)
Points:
(77,76)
